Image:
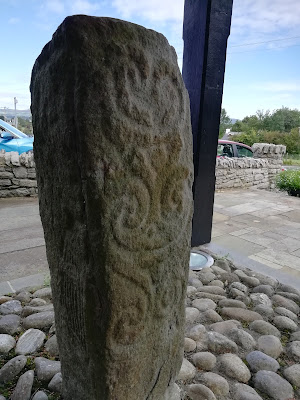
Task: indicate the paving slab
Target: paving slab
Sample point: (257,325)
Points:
(235,243)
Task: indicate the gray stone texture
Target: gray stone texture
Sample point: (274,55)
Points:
(40,396)
(270,345)
(273,385)
(292,374)
(204,360)
(233,367)
(12,368)
(200,392)
(216,383)
(46,369)
(55,384)
(40,320)
(31,341)
(7,343)
(244,392)
(187,370)
(9,324)
(264,328)
(294,350)
(117,207)
(23,389)
(240,314)
(260,361)
(11,307)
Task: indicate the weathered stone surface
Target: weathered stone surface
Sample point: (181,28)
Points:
(191,314)
(244,392)
(282,322)
(212,290)
(206,276)
(30,341)
(273,385)
(204,304)
(23,297)
(189,344)
(190,290)
(216,383)
(225,327)
(122,190)
(44,293)
(37,302)
(220,344)
(40,320)
(260,361)
(266,289)
(264,328)
(11,307)
(270,345)
(217,282)
(12,368)
(204,360)
(9,324)
(209,317)
(197,332)
(294,350)
(24,386)
(242,339)
(40,396)
(7,343)
(46,369)
(292,374)
(233,367)
(55,385)
(4,299)
(173,393)
(280,301)
(240,314)
(232,303)
(27,310)
(224,264)
(200,392)
(187,370)
(260,298)
(264,311)
(286,313)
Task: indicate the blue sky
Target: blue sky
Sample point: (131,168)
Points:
(263,56)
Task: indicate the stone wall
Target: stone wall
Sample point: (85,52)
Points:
(17,174)
(258,172)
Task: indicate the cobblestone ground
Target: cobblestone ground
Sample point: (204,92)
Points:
(242,340)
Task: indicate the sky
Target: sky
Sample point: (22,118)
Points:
(263,54)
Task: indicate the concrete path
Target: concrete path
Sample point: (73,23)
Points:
(260,230)
(255,228)
(22,247)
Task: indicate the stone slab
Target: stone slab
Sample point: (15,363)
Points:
(244,247)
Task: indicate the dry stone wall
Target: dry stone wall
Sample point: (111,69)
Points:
(17,174)
(258,172)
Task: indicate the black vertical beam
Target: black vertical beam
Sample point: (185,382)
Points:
(205,32)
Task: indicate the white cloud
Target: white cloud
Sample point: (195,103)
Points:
(261,19)
(155,10)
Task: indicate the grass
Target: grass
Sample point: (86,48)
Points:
(291,161)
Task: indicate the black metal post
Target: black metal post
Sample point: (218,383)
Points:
(205,32)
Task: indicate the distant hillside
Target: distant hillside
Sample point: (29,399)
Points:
(10,113)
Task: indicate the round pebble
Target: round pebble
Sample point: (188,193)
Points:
(270,345)
(204,360)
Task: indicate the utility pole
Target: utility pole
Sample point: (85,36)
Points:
(16,118)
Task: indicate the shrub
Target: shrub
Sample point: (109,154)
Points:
(288,180)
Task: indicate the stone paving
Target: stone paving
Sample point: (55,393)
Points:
(259,229)
(242,340)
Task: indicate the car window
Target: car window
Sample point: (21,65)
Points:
(225,149)
(243,151)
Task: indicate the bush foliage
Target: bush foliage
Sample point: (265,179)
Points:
(288,180)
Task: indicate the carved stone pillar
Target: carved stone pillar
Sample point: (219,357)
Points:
(113,150)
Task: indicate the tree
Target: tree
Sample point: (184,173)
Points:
(225,122)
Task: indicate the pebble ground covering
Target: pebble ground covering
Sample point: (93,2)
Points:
(242,340)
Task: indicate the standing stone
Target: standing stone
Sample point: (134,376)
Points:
(113,150)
